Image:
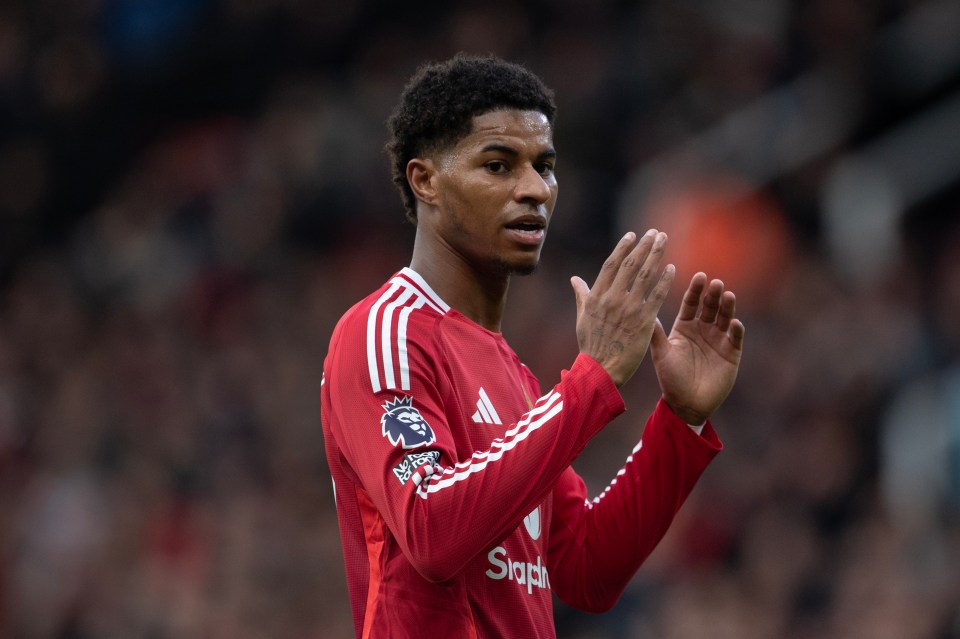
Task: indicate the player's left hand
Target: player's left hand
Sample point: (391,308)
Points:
(697,363)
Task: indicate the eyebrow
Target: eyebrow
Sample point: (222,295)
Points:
(509,150)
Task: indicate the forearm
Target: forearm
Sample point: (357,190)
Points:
(488,493)
(600,544)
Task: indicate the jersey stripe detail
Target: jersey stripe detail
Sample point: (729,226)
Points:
(404,362)
(386,337)
(424,288)
(543,405)
(620,473)
(372,337)
(387,360)
(547,408)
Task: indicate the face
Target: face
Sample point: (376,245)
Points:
(496,190)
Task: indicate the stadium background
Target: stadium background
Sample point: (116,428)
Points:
(192,191)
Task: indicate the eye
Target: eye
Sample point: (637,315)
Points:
(496,166)
(544,168)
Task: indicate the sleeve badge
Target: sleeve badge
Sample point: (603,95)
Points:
(404,426)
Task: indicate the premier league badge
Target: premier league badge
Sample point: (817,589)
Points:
(404,425)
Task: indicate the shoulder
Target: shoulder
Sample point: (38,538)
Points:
(390,310)
(383,331)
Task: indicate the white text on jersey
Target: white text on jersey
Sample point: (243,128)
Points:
(522,572)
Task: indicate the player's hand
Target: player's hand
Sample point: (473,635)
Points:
(616,318)
(697,364)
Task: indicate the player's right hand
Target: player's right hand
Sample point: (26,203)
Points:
(615,318)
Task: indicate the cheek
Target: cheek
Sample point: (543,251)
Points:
(472,210)
(469,211)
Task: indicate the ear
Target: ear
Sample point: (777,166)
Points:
(420,175)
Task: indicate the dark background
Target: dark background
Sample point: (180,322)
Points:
(193,191)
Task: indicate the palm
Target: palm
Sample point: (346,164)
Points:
(697,363)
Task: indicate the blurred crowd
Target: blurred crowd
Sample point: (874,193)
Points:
(193,191)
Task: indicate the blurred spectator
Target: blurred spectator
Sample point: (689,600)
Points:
(192,192)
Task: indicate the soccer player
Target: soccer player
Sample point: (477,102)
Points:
(459,512)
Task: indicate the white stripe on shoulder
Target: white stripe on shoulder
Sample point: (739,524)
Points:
(372,337)
(387,359)
(387,340)
(402,342)
(432,298)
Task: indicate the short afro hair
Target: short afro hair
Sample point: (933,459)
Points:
(439,102)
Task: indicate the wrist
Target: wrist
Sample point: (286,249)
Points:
(691,417)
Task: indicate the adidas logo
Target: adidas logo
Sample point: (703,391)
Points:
(486,413)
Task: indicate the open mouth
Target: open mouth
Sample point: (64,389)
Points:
(528,226)
(528,232)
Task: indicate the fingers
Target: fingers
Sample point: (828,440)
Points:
(728,307)
(710,304)
(691,299)
(615,318)
(735,334)
(611,267)
(580,290)
(659,338)
(658,294)
(640,266)
(727,322)
(633,264)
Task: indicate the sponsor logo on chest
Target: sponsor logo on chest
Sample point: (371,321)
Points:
(486,413)
(524,573)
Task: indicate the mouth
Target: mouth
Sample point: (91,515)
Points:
(531,225)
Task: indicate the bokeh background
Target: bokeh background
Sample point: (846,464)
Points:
(193,191)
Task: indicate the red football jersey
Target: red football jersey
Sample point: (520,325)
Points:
(458,510)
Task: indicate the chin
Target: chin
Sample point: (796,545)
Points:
(526,269)
(517,268)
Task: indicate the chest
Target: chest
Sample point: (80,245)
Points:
(488,390)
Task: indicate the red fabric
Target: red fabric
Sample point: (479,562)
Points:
(464,528)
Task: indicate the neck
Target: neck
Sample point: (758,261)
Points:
(477,294)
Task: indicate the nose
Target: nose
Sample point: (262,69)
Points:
(532,187)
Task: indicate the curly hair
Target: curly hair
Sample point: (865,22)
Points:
(438,104)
